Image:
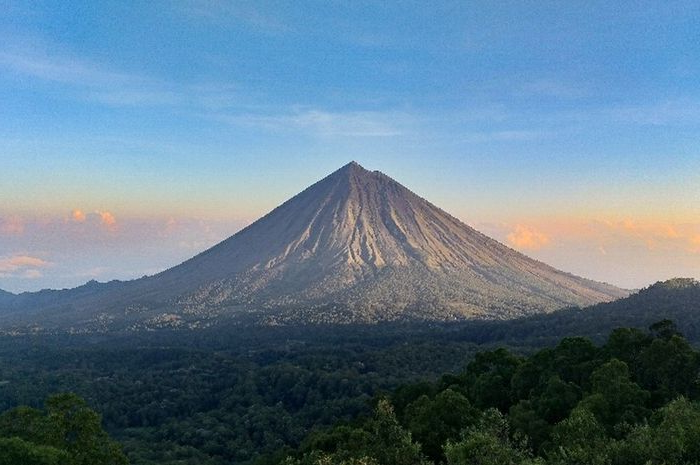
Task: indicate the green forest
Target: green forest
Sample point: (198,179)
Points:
(631,401)
(563,388)
(65,432)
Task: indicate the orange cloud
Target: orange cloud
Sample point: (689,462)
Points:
(609,235)
(659,235)
(12,226)
(657,230)
(22,265)
(671,232)
(107,219)
(524,237)
(630,225)
(78,216)
(695,244)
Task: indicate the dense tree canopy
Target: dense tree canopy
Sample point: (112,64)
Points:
(66,432)
(631,401)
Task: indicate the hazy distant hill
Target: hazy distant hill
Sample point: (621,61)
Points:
(6,296)
(355,247)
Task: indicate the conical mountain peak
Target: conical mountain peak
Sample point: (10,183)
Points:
(359,239)
(353,165)
(355,170)
(356,246)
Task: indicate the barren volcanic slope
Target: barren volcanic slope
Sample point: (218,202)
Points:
(355,247)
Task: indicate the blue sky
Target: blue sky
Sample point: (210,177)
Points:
(568,130)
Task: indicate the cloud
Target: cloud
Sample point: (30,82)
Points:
(32,274)
(552,88)
(247,13)
(607,237)
(23,266)
(97,83)
(104,218)
(670,232)
(524,237)
(107,219)
(628,252)
(653,235)
(326,123)
(78,216)
(507,135)
(694,244)
(371,124)
(131,247)
(136,97)
(12,226)
(38,64)
(662,113)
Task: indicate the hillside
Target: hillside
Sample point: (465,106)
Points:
(677,300)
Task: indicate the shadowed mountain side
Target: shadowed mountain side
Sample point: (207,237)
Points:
(355,247)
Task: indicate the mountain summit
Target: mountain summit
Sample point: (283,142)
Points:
(356,246)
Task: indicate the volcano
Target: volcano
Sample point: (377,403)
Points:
(356,247)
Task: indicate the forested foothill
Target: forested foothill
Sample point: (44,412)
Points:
(562,388)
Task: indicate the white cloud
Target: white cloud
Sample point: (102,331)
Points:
(226,13)
(32,62)
(98,83)
(555,88)
(661,113)
(327,123)
(506,135)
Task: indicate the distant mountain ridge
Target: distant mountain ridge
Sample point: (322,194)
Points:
(356,246)
(677,300)
(6,296)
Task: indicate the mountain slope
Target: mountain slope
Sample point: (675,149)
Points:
(355,247)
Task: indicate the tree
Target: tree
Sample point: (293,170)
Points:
(390,444)
(432,422)
(68,430)
(674,438)
(524,419)
(574,359)
(489,443)
(557,399)
(16,451)
(534,416)
(664,329)
(615,399)
(489,376)
(669,368)
(380,441)
(579,440)
(627,344)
